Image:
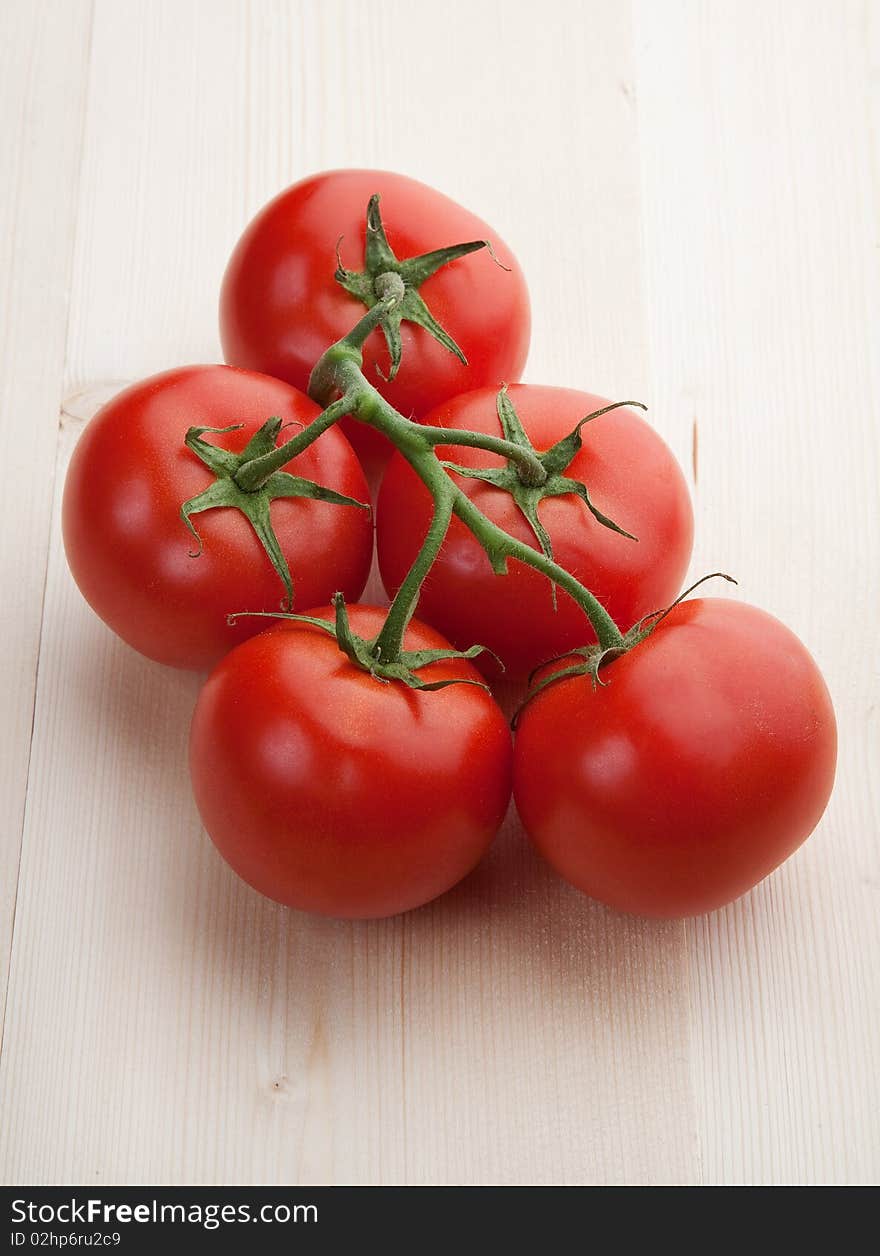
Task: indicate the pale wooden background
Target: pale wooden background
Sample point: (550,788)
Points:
(694,191)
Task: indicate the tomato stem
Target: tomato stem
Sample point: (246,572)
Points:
(338,383)
(253,474)
(385,275)
(340,371)
(528,465)
(389,643)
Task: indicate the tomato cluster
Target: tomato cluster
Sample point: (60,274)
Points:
(350,759)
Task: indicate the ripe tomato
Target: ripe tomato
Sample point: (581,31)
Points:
(130,552)
(333,792)
(281,307)
(631,476)
(702,763)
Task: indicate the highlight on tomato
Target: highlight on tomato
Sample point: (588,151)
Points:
(463,321)
(613,510)
(163,543)
(351,761)
(335,793)
(702,760)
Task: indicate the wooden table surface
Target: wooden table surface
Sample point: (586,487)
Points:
(694,191)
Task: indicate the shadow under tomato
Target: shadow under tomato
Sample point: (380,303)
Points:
(312,1010)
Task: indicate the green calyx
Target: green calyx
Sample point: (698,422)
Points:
(253,502)
(530,482)
(366,654)
(590,658)
(384,276)
(339,373)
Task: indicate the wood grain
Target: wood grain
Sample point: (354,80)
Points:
(180,1028)
(42,86)
(764,297)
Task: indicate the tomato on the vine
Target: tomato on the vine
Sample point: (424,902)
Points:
(631,475)
(703,761)
(281,306)
(131,553)
(333,792)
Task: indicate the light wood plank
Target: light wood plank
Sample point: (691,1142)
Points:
(761,211)
(42,84)
(179,1028)
(161,199)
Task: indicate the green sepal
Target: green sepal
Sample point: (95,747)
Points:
(220,461)
(282,484)
(562,484)
(380,259)
(489,474)
(511,424)
(525,489)
(220,493)
(592,657)
(255,504)
(362,652)
(560,455)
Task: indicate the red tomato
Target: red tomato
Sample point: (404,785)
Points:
(702,763)
(281,307)
(130,552)
(333,792)
(631,476)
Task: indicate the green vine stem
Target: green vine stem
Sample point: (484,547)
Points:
(339,383)
(252,479)
(389,643)
(254,474)
(338,374)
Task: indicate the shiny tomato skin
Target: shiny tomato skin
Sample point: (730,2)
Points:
(129,550)
(632,476)
(280,306)
(335,793)
(705,760)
